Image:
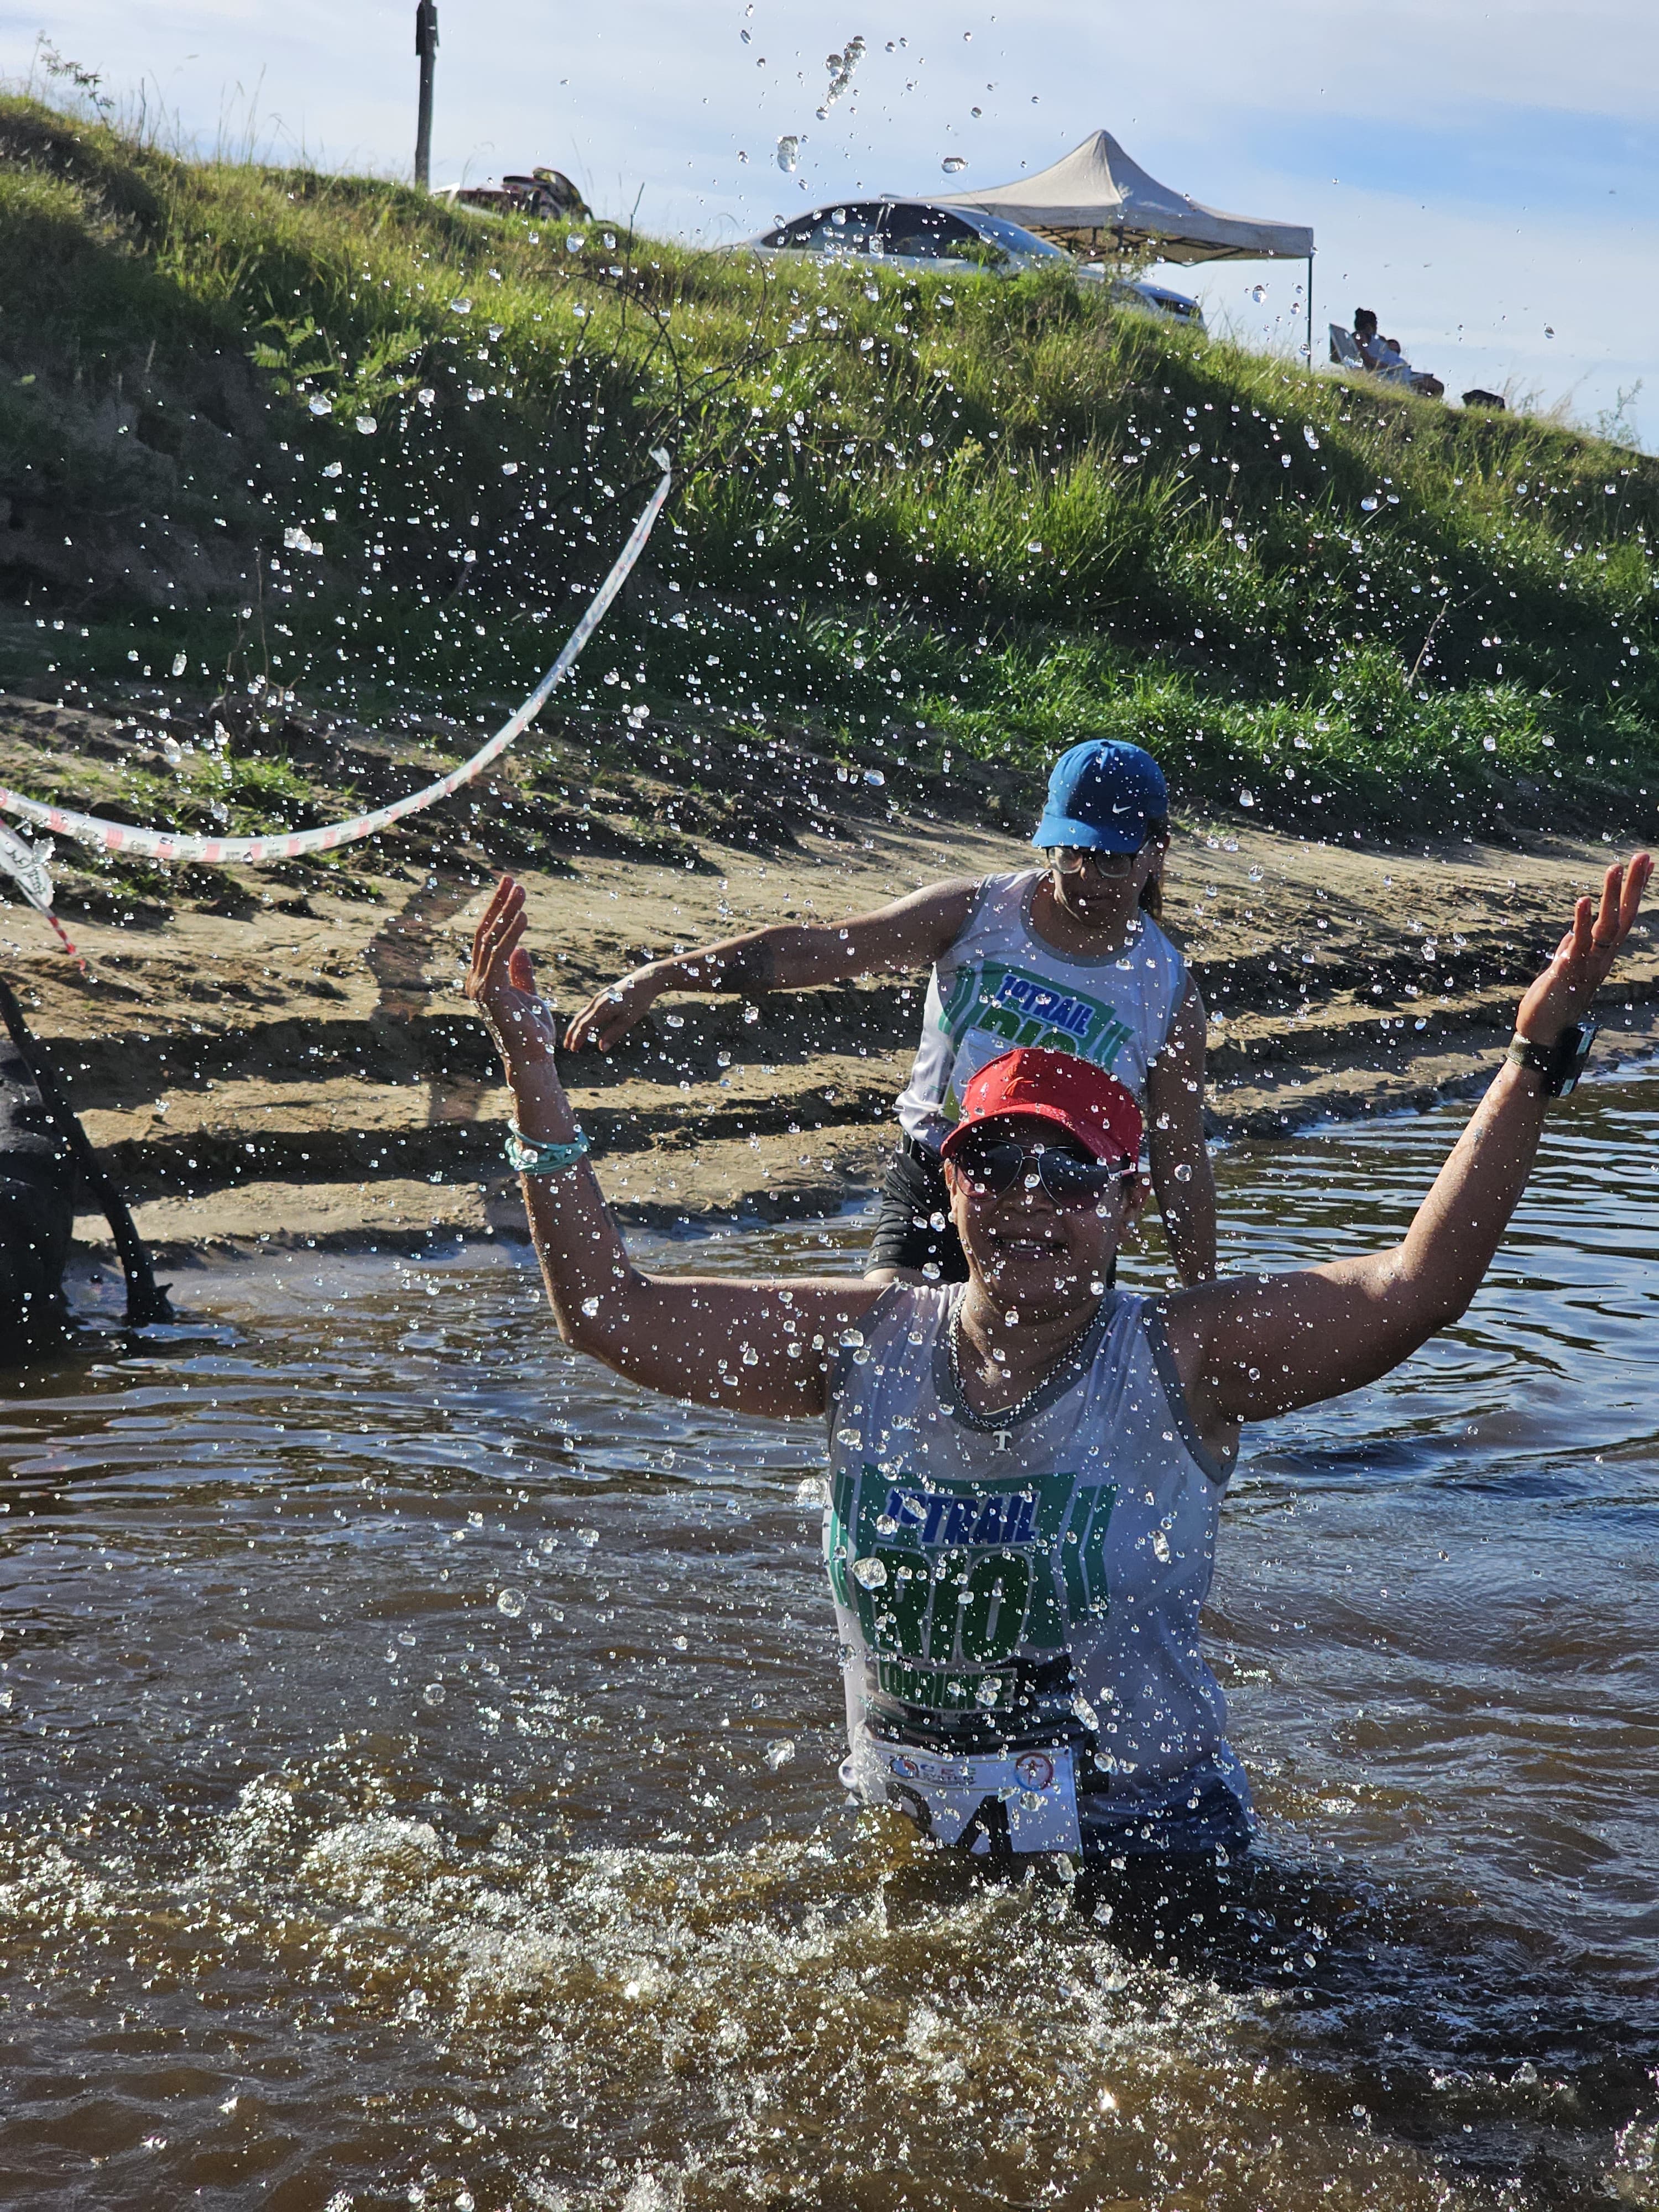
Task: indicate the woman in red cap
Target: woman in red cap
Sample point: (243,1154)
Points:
(1070,956)
(1027,1469)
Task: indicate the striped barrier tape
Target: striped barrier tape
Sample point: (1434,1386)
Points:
(176,846)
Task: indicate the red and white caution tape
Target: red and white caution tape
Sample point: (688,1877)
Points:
(174,845)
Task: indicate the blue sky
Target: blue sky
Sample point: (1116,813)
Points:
(1488,180)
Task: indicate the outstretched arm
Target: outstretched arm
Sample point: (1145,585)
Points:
(1261,1345)
(763,1348)
(911,933)
(1182,1177)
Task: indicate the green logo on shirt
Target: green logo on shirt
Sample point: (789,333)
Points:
(1007,1006)
(972,1573)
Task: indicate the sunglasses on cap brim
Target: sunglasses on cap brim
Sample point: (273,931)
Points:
(994,1165)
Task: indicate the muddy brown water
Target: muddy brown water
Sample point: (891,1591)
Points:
(419,1776)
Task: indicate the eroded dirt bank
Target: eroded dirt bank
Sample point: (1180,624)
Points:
(297,1065)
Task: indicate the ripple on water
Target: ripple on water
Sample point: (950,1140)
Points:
(328,1878)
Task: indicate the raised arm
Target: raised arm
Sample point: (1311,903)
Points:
(763,1348)
(1182,1177)
(1248,1347)
(911,933)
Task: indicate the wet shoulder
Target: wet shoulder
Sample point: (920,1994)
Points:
(997,914)
(900,1329)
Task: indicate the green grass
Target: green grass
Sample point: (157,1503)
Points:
(912,520)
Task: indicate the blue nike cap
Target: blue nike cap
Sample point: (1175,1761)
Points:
(1105,794)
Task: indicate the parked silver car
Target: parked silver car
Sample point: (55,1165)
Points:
(919,234)
(914,234)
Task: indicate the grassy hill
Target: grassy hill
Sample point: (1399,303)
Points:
(318,444)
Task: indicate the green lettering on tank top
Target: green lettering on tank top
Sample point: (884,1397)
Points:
(1022,1007)
(947,1613)
(1082,1553)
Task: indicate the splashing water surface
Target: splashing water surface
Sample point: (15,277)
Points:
(420,1777)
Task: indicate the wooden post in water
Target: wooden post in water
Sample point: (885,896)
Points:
(426,46)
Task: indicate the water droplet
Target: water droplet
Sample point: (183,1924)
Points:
(1548,333)
(587,1538)
(926,438)
(870,1574)
(780,1752)
(180,662)
(1258,293)
(509,468)
(1255,875)
(461,306)
(873,775)
(1161,1546)
(1247,799)
(590,1306)
(426,397)
(433,1694)
(1011,1317)
(885,1525)
(788,153)
(1183,1172)
(318,405)
(954,164)
(511,1602)
(367,425)
(575,242)
(988,1690)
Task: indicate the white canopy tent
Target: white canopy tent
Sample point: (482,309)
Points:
(1097,200)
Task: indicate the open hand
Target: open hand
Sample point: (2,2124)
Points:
(1562,994)
(611,1013)
(501,983)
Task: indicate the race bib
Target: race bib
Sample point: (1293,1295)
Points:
(1019,1800)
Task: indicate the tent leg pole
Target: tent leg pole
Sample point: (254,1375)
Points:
(1310,358)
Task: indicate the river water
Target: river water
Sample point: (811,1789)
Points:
(419,1772)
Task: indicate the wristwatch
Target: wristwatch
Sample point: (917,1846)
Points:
(1560,1064)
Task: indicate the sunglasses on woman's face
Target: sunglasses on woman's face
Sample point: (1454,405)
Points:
(994,1168)
(1075,859)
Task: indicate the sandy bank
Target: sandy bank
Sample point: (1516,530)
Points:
(302,1068)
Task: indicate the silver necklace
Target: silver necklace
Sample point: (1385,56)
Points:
(1005,1416)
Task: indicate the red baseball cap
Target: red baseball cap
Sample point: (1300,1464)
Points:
(1054,1086)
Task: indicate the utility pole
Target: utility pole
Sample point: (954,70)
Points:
(426,45)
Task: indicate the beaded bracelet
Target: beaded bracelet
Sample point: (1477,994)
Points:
(530,1155)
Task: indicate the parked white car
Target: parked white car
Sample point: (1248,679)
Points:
(919,234)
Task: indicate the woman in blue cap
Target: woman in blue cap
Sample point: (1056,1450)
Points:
(1068,957)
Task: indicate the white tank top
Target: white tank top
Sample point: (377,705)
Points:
(998,986)
(1035,1583)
